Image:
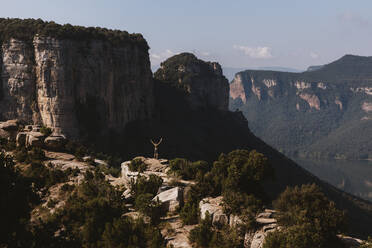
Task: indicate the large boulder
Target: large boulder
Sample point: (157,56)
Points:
(35,139)
(10,126)
(4,134)
(267,223)
(171,198)
(215,209)
(256,239)
(55,142)
(21,139)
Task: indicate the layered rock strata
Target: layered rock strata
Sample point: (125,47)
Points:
(75,87)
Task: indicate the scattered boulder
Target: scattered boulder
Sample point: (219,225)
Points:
(235,221)
(138,215)
(28,128)
(215,209)
(36,128)
(55,142)
(171,198)
(35,139)
(21,139)
(257,239)
(10,125)
(350,241)
(4,134)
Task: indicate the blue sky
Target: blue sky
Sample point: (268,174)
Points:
(236,33)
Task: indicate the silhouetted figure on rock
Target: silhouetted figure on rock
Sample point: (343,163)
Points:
(156,154)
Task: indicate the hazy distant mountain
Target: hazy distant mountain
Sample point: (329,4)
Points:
(314,67)
(325,112)
(230,72)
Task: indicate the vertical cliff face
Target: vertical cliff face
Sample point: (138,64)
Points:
(317,113)
(75,87)
(204,81)
(93,82)
(17,90)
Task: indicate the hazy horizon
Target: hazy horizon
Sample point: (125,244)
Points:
(239,34)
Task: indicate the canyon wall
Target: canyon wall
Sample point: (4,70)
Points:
(318,113)
(75,87)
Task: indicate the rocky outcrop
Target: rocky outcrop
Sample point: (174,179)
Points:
(312,100)
(256,239)
(214,207)
(204,82)
(237,89)
(9,129)
(55,142)
(75,87)
(171,199)
(17,84)
(306,114)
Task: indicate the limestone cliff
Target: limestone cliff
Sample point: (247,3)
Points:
(75,86)
(315,113)
(204,82)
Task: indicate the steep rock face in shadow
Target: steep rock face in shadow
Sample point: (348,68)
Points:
(203,81)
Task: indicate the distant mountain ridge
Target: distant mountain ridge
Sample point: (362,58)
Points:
(319,113)
(230,72)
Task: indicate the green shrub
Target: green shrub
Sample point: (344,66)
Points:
(190,213)
(21,155)
(146,186)
(42,176)
(137,165)
(123,232)
(367,244)
(202,235)
(308,219)
(36,154)
(67,187)
(46,130)
(17,198)
(153,209)
(188,170)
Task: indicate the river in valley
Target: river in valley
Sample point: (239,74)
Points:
(352,176)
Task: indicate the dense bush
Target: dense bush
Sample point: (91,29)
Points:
(26,30)
(46,130)
(123,232)
(43,176)
(367,244)
(188,170)
(238,176)
(145,186)
(204,235)
(137,164)
(147,206)
(92,217)
(308,219)
(16,201)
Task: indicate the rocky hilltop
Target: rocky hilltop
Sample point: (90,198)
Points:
(203,81)
(74,80)
(317,113)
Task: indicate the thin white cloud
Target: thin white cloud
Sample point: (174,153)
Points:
(255,52)
(355,19)
(156,58)
(314,55)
